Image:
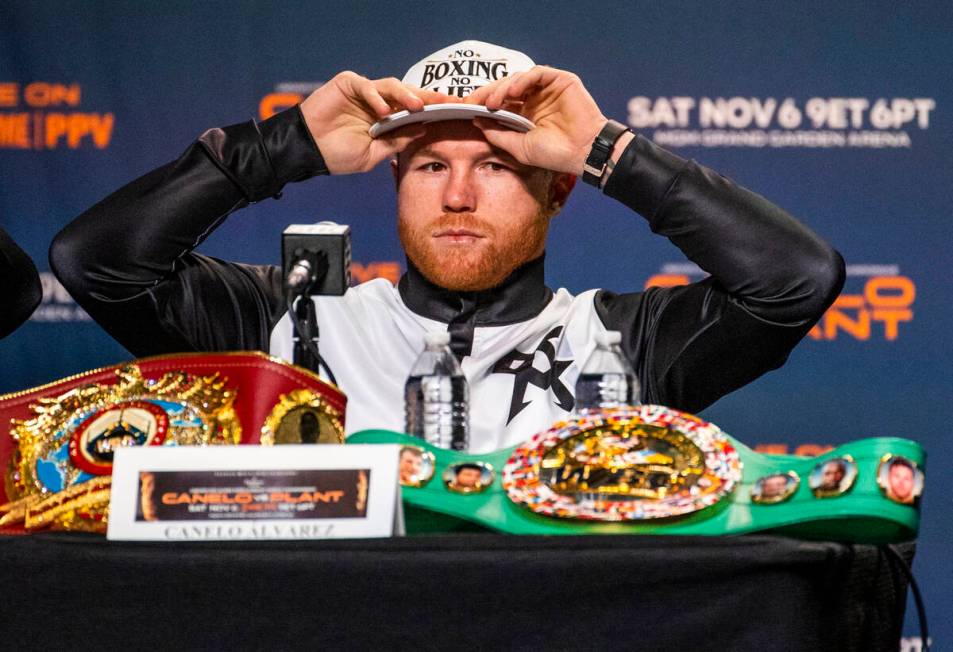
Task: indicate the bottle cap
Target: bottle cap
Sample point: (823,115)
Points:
(609,338)
(436,338)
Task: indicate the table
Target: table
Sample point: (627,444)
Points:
(458,591)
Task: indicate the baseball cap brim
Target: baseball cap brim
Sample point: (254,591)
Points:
(440,112)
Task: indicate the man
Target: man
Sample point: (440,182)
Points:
(474,200)
(410,466)
(467,478)
(774,487)
(832,473)
(901,481)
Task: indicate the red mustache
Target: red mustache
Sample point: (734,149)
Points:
(460,223)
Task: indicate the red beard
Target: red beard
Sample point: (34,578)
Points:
(481,266)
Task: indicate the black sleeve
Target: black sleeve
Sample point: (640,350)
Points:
(771,280)
(128,260)
(21,291)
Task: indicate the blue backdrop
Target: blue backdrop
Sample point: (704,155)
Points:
(839,112)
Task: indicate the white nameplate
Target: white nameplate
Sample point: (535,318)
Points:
(213,493)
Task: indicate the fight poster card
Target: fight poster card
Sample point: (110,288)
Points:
(255,494)
(248,493)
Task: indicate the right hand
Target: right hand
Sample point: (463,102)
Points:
(340,113)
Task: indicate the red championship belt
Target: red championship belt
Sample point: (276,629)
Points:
(57,443)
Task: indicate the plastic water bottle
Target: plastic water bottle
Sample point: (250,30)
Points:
(436,396)
(607,379)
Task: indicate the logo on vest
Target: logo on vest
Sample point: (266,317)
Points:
(521,366)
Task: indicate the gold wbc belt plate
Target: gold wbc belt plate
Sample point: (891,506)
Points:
(629,464)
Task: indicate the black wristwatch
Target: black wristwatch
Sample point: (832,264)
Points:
(601,148)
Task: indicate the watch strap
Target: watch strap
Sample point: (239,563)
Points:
(602,146)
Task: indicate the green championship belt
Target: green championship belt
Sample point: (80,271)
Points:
(655,470)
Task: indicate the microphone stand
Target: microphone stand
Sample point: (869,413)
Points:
(306,332)
(304,281)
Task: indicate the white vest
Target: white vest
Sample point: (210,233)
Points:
(370,340)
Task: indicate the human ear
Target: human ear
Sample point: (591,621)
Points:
(559,189)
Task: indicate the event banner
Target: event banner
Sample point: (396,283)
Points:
(839,113)
(198,495)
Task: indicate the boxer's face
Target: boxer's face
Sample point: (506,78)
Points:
(410,465)
(773,486)
(831,475)
(901,481)
(468,214)
(468,477)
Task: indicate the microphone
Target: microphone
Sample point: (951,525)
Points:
(308,267)
(316,259)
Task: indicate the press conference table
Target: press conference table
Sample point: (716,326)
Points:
(455,591)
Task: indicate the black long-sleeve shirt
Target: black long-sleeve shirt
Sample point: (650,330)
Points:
(21,291)
(770,280)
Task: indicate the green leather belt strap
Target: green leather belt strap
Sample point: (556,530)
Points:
(861,513)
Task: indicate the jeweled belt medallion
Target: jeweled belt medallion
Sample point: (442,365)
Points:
(624,464)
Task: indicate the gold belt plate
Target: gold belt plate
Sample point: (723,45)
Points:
(624,464)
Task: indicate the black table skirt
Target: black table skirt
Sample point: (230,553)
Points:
(463,591)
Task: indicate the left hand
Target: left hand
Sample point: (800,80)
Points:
(567,118)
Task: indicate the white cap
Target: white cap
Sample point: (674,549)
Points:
(458,70)
(436,338)
(609,338)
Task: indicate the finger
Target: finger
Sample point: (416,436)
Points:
(360,90)
(510,141)
(480,95)
(486,95)
(537,76)
(514,106)
(397,141)
(398,93)
(411,131)
(369,95)
(412,98)
(495,99)
(432,97)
